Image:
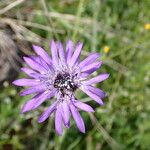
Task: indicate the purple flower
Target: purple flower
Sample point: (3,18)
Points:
(59,76)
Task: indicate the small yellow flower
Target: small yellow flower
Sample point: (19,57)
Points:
(147,26)
(106,49)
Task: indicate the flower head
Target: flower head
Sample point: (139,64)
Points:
(59,76)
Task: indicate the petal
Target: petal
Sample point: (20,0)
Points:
(83,106)
(46,114)
(34,89)
(29,104)
(65,112)
(89,72)
(26,82)
(69,50)
(54,53)
(78,119)
(58,121)
(34,65)
(96,79)
(61,52)
(92,95)
(41,52)
(76,54)
(91,58)
(96,91)
(30,72)
(43,97)
(38,76)
(91,66)
(35,102)
(41,61)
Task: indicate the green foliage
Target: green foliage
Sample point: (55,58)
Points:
(124,121)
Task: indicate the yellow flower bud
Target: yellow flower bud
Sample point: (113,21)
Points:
(106,49)
(147,26)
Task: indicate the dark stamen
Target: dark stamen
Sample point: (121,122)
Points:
(65,82)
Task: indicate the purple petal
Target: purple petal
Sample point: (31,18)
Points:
(30,72)
(43,97)
(92,95)
(96,79)
(65,112)
(91,58)
(41,61)
(78,119)
(41,52)
(34,89)
(83,106)
(96,91)
(61,53)
(89,72)
(26,82)
(35,102)
(76,54)
(58,121)
(46,114)
(54,53)
(34,65)
(67,125)
(69,50)
(29,104)
(39,76)
(91,66)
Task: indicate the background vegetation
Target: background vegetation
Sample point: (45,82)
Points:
(119,30)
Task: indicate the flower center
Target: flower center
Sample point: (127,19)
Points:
(64,82)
